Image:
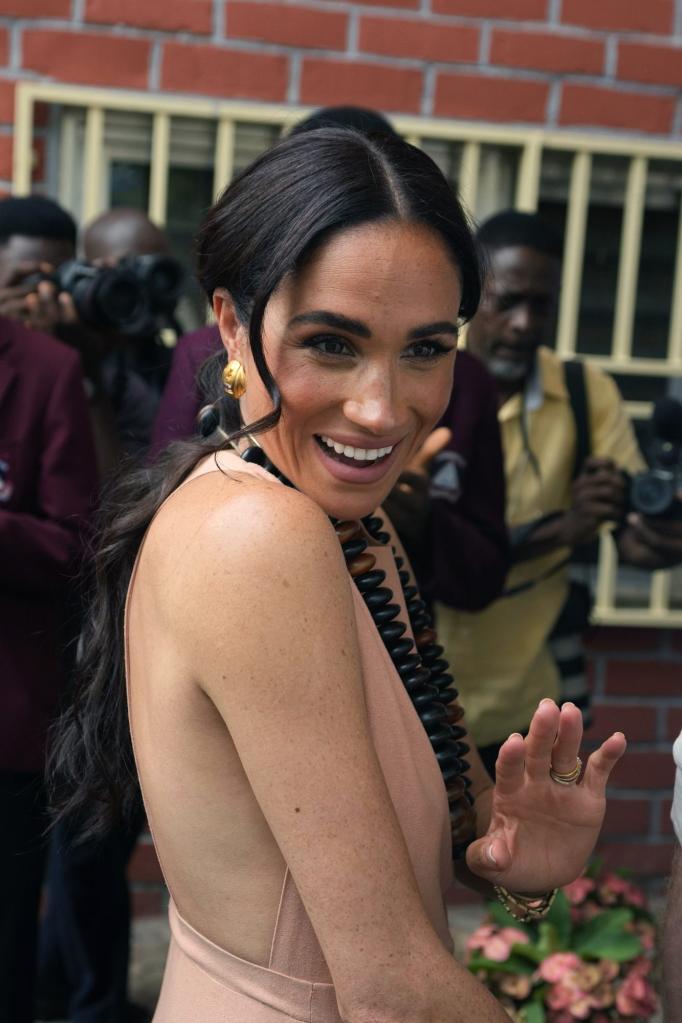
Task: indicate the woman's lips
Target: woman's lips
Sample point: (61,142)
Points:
(348,470)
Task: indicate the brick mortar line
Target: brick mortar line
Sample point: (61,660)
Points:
(78,11)
(677,18)
(218,20)
(294,83)
(428,91)
(677,119)
(15,49)
(610,56)
(154,68)
(484,43)
(553,104)
(352,34)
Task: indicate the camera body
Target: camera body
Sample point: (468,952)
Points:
(136,297)
(654,492)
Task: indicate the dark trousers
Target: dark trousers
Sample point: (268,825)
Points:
(85,938)
(22,856)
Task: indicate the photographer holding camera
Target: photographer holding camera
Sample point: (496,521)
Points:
(111,308)
(568,447)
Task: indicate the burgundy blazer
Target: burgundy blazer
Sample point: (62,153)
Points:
(176,418)
(48,480)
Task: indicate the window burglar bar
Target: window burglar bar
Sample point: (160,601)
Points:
(571,176)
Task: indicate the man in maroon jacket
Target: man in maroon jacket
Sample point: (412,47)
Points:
(48,481)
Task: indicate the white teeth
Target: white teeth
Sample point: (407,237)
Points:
(360,454)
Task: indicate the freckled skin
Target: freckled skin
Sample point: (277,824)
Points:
(391,277)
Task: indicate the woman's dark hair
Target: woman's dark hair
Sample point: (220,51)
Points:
(264,227)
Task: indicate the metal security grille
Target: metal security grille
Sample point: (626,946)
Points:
(617,200)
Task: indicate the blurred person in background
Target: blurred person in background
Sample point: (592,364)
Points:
(84,966)
(48,483)
(124,372)
(564,478)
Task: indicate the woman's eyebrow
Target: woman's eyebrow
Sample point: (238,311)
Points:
(336,320)
(442,327)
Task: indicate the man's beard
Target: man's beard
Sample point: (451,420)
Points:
(508,371)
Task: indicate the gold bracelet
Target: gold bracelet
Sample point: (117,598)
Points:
(525,908)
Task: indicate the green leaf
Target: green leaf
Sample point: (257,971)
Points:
(549,940)
(529,952)
(503,918)
(560,918)
(515,964)
(533,1012)
(610,921)
(619,947)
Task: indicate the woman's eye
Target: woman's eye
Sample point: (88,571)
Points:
(329,345)
(427,350)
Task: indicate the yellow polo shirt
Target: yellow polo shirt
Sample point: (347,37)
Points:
(500,659)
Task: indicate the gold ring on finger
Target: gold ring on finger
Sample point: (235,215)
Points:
(570,778)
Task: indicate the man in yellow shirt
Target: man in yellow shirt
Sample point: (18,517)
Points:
(501,658)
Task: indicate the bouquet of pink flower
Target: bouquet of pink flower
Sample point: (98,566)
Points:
(589,959)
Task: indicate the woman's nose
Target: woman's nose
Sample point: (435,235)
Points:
(375,404)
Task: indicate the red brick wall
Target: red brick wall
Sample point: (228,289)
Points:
(637,686)
(608,64)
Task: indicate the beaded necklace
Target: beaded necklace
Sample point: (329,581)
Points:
(420,665)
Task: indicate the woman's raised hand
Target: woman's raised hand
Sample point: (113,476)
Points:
(542,832)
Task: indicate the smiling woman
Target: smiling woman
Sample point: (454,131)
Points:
(297,737)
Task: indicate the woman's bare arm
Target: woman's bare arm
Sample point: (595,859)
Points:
(284,673)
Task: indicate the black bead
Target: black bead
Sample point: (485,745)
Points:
(382,537)
(352,548)
(423,698)
(372,523)
(431,652)
(392,631)
(447,695)
(409,664)
(399,562)
(420,622)
(382,615)
(442,681)
(400,648)
(404,578)
(415,606)
(440,664)
(451,770)
(409,592)
(442,733)
(377,598)
(255,455)
(369,580)
(417,677)
(448,752)
(432,715)
(209,421)
(458,732)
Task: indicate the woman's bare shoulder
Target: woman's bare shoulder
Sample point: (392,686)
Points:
(220,527)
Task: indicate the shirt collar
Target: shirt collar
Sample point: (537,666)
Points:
(546,381)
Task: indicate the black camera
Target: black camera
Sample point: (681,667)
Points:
(136,297)
(654,492)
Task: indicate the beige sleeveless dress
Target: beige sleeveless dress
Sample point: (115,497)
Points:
(207,984)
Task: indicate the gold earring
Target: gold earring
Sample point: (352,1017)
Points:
(234,379)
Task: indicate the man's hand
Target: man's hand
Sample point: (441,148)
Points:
(650,542)
(408,503)
(599,496)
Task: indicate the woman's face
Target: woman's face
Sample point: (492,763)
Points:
(362,345)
